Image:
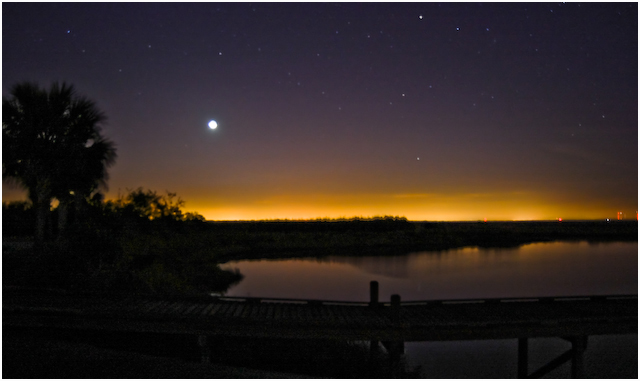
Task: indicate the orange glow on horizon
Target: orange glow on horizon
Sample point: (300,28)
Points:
(497,206)
(461,210)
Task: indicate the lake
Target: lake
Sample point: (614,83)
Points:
(540,269)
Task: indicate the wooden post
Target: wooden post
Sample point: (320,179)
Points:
(579,344)
(373,293)
(205,353)
(523,357)
(397,361)
(396,348)
(395,308)
(374,345)
(374,358)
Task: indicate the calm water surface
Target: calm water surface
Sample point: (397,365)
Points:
(541,269)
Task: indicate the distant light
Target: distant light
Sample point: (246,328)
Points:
(213,124)
(559,219)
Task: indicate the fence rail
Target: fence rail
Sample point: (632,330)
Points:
(544,299)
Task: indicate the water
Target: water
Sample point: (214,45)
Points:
(541,269)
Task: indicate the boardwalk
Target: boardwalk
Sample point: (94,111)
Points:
(399,322)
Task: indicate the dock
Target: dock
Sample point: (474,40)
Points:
(391,323)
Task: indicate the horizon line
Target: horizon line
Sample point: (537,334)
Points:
(399,218)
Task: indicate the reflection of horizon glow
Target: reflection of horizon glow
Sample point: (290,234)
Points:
(568,268)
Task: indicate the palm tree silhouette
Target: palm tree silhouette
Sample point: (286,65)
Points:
(52,146)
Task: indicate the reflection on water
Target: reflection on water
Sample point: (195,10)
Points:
(541,269)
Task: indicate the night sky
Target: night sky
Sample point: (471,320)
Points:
(430,111)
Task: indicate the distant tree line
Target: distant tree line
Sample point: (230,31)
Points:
(136,208)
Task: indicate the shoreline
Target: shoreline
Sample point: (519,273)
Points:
(281,240)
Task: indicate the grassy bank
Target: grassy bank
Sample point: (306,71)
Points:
(255,240)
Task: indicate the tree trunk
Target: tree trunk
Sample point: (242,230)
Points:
(63,213)
(43,206)
(80,206)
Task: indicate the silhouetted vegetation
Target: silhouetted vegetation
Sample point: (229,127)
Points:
(53,147)
(141,242)
(18,219)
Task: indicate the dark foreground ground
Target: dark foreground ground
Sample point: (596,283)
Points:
(37,354)
(58,353)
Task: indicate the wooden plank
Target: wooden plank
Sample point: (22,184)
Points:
(325,313)
(225,308)
(196,311)
(205,311)
(201,307)
(298,312)
(248,309)
(147,305)
(341,320)
(277,311)
(183,307)
(270,311)
(215,311)
(231,307)
(154,307)
(241,308)
(173,307)
(258,311)
(163,308)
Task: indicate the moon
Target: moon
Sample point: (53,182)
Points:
(213,124)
